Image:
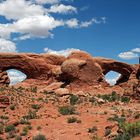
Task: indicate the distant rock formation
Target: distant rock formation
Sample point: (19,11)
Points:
(79,71)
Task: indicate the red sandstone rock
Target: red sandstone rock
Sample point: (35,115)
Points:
(78,72)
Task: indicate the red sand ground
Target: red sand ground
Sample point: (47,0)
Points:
(54,125)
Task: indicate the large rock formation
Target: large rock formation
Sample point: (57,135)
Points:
(78,71)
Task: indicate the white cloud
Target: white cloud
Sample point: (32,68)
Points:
(7,46)
(72,23)
(128,55)
(18,9)
(112,81)
(65,53)
(47,1)
(137,50)
(75,23)
(37,26)
(62,9)
(5,30)
(88,23)
(30,19)
(16,76)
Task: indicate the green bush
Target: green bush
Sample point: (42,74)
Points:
(24,120)
(12,107)
(130,130)
(66,110)
(110,97)
(31,115)
(72,120)
(9,128)
(93,129)
(35,106)
(39,137)
(125,99)
(114,97)
(73,99)
(4,117)
(34,89)
(124,136)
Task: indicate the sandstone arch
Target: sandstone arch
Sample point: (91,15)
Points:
(77,70)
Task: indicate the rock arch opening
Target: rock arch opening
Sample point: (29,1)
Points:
(111,77)
(16,76)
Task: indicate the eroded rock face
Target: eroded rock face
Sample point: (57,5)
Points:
(79,71)
(4,79)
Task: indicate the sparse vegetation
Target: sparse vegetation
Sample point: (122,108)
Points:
(31,115)
(35,106)
(66,110)
(12,107)
(93,129)
(73,99)
(4,117)
(39,137)
(114,97)
(9,128)
(73,120)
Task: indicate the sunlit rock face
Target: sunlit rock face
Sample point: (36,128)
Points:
(78,71)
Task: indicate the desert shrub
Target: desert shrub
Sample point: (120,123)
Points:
(110,97)
(93,129)
(72,120)
(35,106)
(130,130)
(114,97)
(24,131)
(124,136)
(12,107)
(9,128)
(34,89)
(121,120)
(73,99)
(66,110)
(31,115)
(39,137)
(24,121)
(4,117)
(125,99)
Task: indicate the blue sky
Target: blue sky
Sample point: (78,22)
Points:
(106,28)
